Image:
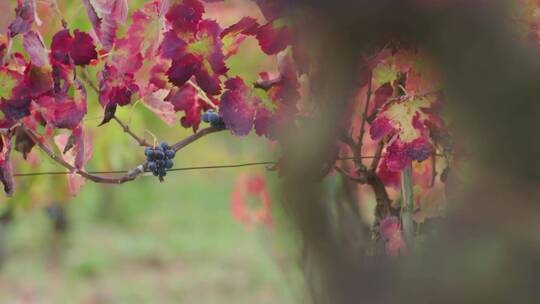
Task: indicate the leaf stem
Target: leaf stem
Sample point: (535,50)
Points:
(56,8)
(202,94)
(141,141)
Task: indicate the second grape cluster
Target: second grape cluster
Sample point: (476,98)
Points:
(213,118)
(159,159)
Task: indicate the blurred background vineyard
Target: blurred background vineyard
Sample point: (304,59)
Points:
(143,242)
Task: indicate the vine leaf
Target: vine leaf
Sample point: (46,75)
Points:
(26,15)
(248,188)
(390,231)
(6,165)
(78,155)
(199,55)
(35,48)
(234,35)
(187,99)
(156,103)
(23,143)
(105,16)
(238,106)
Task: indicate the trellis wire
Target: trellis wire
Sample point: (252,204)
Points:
(208,167)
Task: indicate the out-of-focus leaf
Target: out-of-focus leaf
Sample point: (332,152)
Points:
(248,188)
(78,155)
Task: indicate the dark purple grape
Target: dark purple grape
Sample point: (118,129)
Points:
(158,154)
(206,117)
(170,153)
(218,123)
(152,166)
(168,164)
(149,152)
(164,146)
(214,118)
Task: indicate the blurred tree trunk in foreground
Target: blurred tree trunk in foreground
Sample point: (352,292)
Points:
(489,248)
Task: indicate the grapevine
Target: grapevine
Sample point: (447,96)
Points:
(403,133)
(174,60)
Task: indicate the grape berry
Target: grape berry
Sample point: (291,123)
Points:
(212,117)
(159,159)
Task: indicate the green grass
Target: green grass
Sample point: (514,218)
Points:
(147,242)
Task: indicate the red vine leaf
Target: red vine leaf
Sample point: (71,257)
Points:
(274,36)
(234,35)
(243,107)
(251,187)
(61,46)
(196,48)
(83,49)
(156,103)
(61,111)
(23,142)
(38,80)
(141,40)
(185,15)
(187,99)
(78,155)
(115,88)
(390,230)
(34,46)
(9,80)
(26,15)
(238,106)
(6,166)
(105,16)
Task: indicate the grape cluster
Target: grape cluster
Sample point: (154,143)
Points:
(212,117)
(160,159)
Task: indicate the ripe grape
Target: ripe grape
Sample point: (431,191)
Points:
(149,152)
(206,117)
(170,154)
(159,154)
(212,117)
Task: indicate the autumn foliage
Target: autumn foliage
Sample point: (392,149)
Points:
(173,59)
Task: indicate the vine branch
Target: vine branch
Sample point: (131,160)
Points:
(377,158)
(141,141)
(126,177)
(364,116)
(188,140)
